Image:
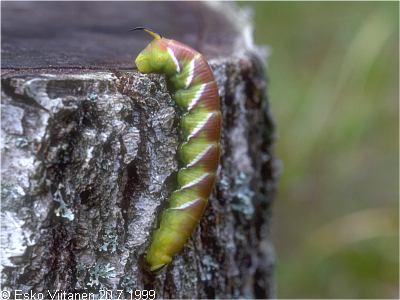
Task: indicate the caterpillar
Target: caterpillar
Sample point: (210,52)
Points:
(195,91)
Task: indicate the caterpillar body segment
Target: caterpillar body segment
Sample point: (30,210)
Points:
(195,91)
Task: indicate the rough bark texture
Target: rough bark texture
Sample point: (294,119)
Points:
(88,159)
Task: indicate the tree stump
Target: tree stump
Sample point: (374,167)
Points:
(88,152)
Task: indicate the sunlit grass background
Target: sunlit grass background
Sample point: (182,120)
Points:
(333,89)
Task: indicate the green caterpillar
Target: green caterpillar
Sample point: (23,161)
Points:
(195,91)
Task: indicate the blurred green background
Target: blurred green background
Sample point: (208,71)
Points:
(333,88)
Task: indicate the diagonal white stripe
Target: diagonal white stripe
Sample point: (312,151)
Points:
(172,54)
(196,97)
(191,73)
(194,182)
(186,205)
(199,156)
(200,126)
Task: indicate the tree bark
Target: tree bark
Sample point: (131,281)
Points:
(88,159)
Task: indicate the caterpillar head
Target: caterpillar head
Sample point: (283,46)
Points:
(155,58)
